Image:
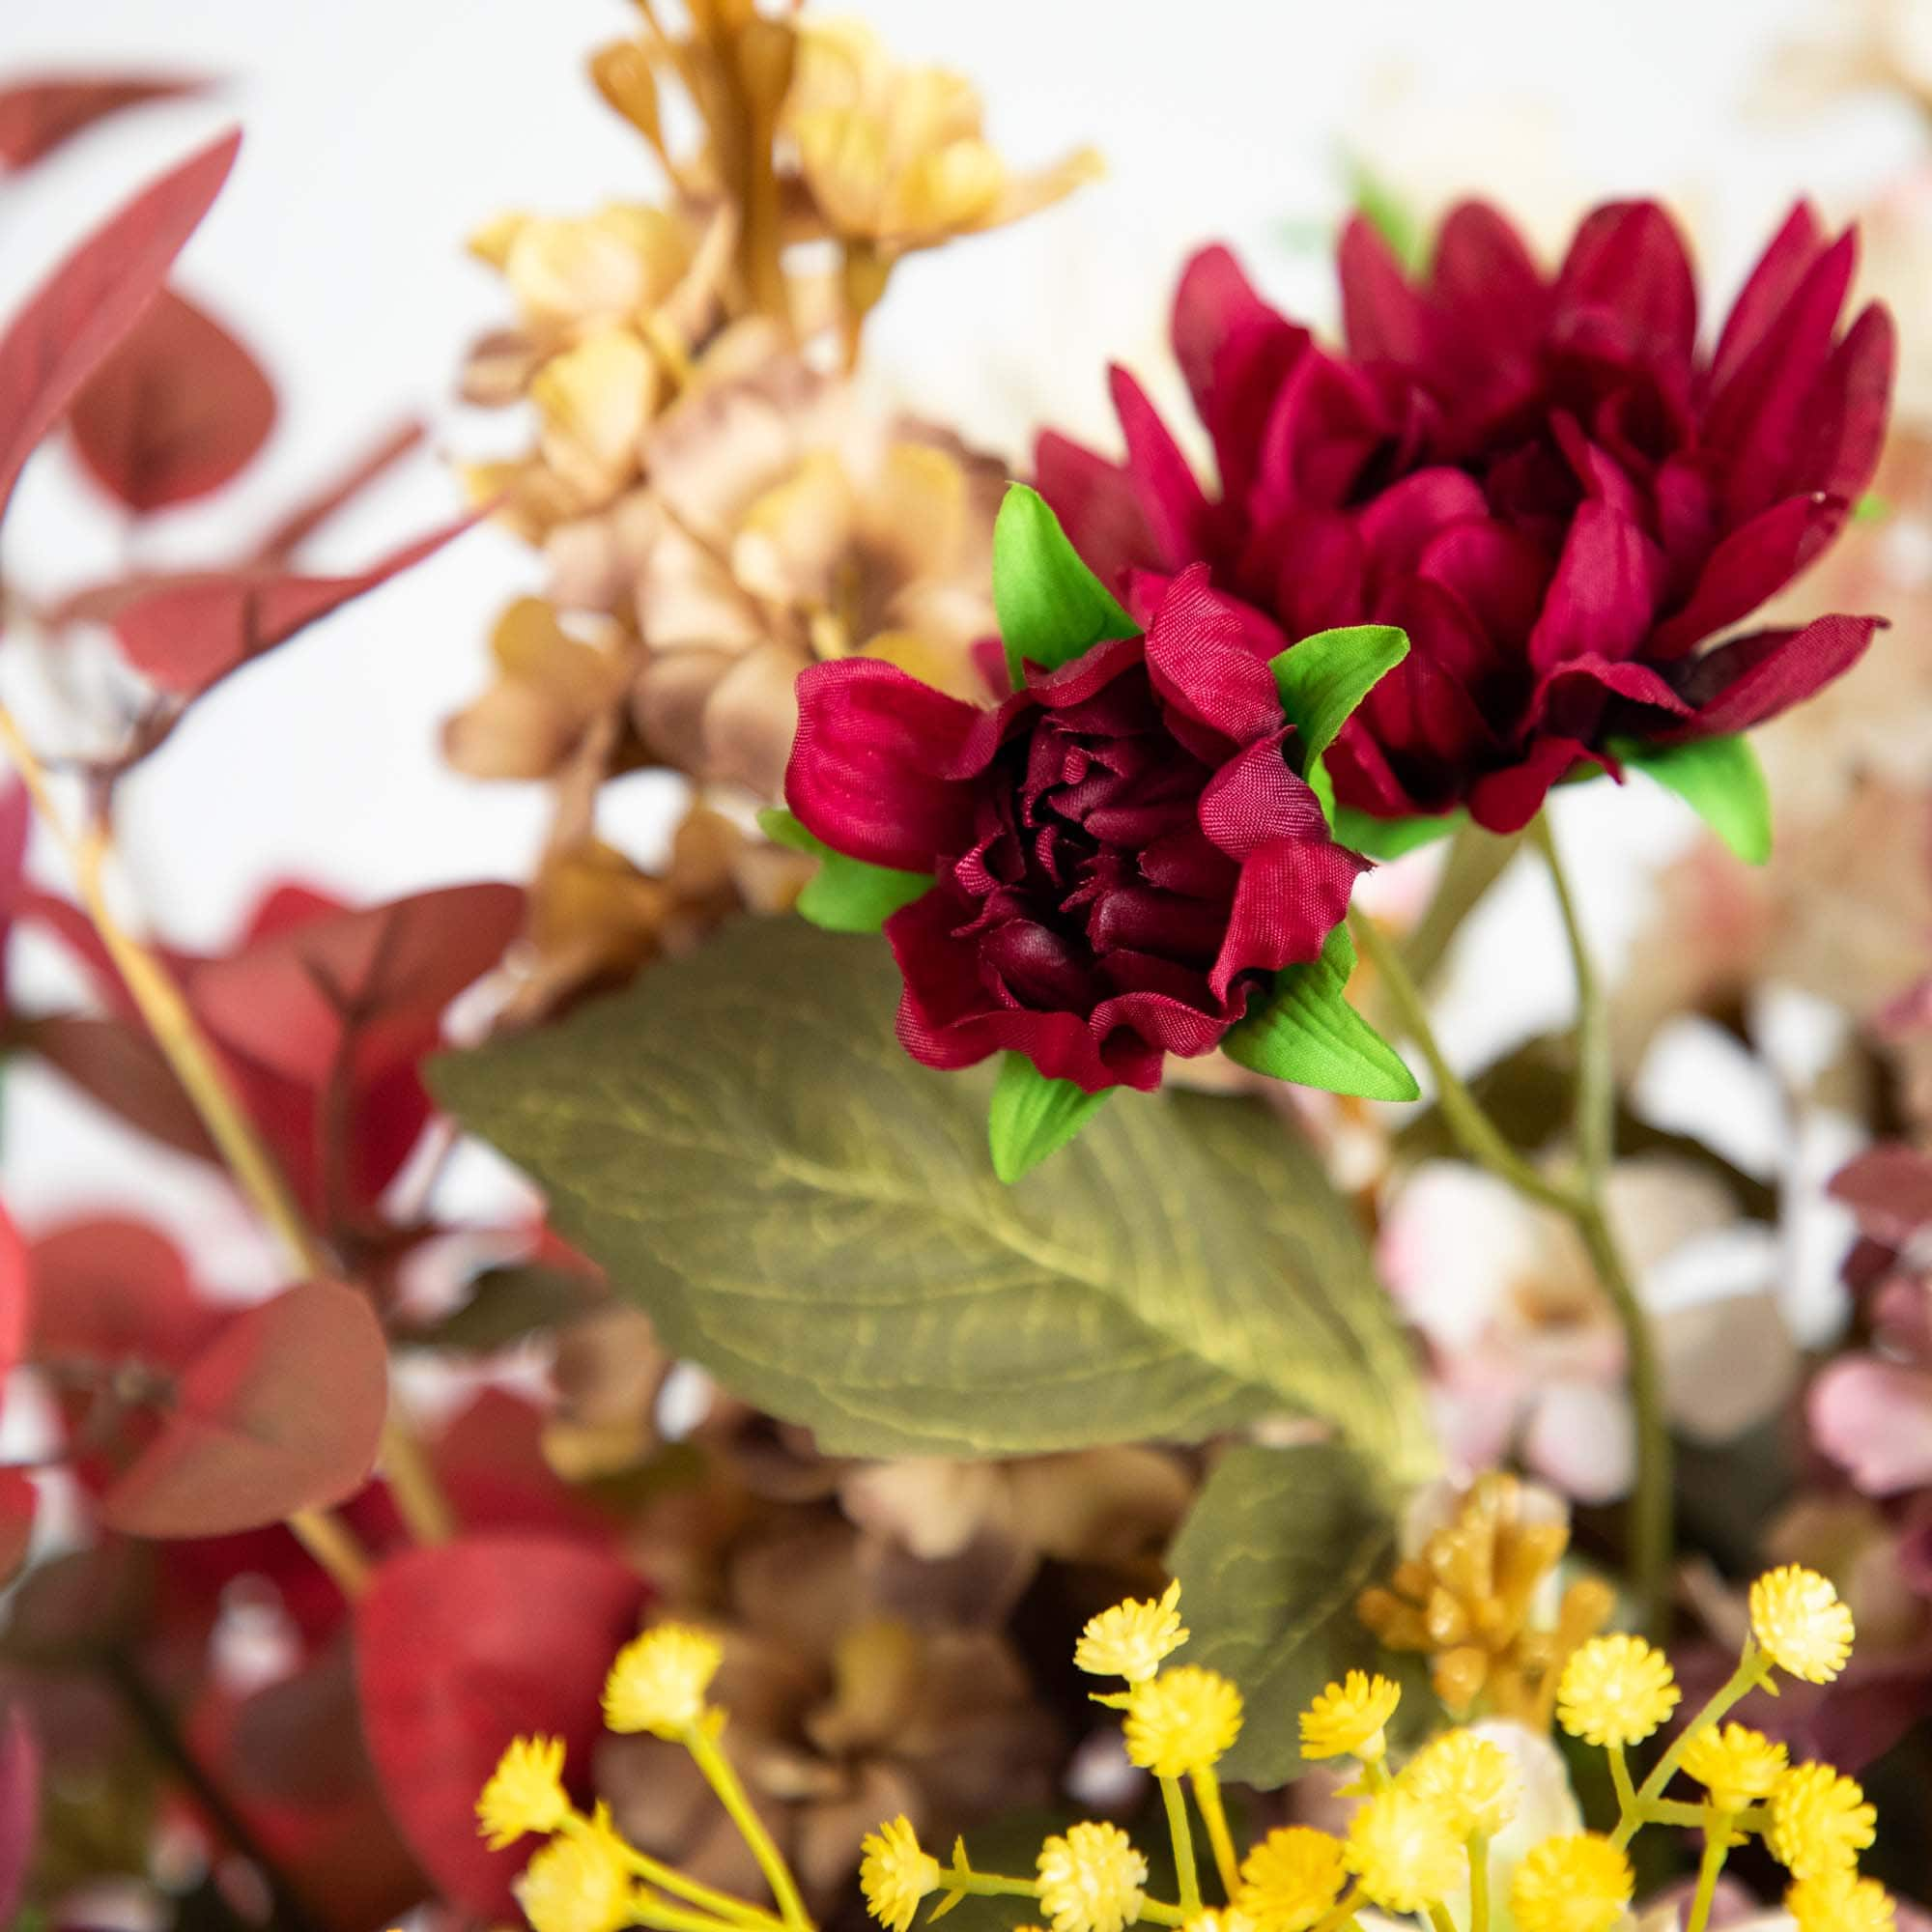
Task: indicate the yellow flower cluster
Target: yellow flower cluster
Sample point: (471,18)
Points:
(1432,1834)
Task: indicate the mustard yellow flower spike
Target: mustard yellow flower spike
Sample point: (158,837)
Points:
(1615,1690)
(525,1793)
(1819,1822)
(1133,1638)
(1800,1624)
(1092,1879)
(1349,1718)
(658,1680)
(1575,1884)
(895,1874)
(1182,1720)
(1290,1878)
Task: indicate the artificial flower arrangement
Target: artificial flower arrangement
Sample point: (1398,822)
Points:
(1075,766)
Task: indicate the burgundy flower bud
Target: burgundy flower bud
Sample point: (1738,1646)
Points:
(1122,851)
(1544,481)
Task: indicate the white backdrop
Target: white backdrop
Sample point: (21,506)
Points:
(380,132)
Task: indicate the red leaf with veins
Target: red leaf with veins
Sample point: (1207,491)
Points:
(461,1648)
(281,1411)
(186,634)
(178,410)
(40,115)
(88,305)
(368,985)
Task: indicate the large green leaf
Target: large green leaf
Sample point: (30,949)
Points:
(1720,781)
(1306,1031)
(1322,679)
(1051,608)
(741,1143)
(844,895)
(1277,1549)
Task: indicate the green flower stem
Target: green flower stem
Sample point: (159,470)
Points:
(1752,1669)
(661,1917)
(1620,1779)
(1214,1815)
(1479,1136)
(1341,1913)
(1175,1801)
(1650,1510)
(667,1878)
(1479,1884)
(1716,1847)
(702,1744)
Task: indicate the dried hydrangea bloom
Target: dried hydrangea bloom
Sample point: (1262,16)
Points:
(788,525)
(894,155)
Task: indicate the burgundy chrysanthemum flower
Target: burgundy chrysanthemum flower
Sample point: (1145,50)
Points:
(1544,481)
(1121,850)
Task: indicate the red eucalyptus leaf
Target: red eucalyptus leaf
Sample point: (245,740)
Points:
(19,1502)
(187,633)
(117,1064)
(40,115)
(90,302)
(113,1291)
(292,1759)
(372,983)
(20,1810)
(15,1300)
(178,410)
(461,1648)
(281,1411)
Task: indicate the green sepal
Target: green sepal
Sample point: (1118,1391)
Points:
(1324,677)
(1032,1117)
(1720,781)
(1391,837)
(1051,608)
(844,895)
(1307,1032)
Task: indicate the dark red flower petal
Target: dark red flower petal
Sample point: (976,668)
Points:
(1507,800)
(1169,493)
(869,763)
(1292,894)
(1750,565)
(1627,262)
(1202,661)
(1603,599)
(1770,286)
(1753,678)
(1097,504)
(1382,319)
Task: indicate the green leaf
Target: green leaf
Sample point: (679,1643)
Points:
(1052,608)
(1391,838)
(1323,678)
(1032,1117)
(1278,1547)
(1720,781)
(1871,508)
(743,1145)
(1307,1032)
(844,895)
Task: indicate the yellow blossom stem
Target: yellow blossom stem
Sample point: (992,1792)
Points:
(996,1884)
(1479,1882)
(1214,1815)
(667,1878)
(1716,1847)
(722,1777)
(1753,1668)
(1179,1830)
(661,1917)
(1341,1913)
(178,1036)
(1620,1778)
